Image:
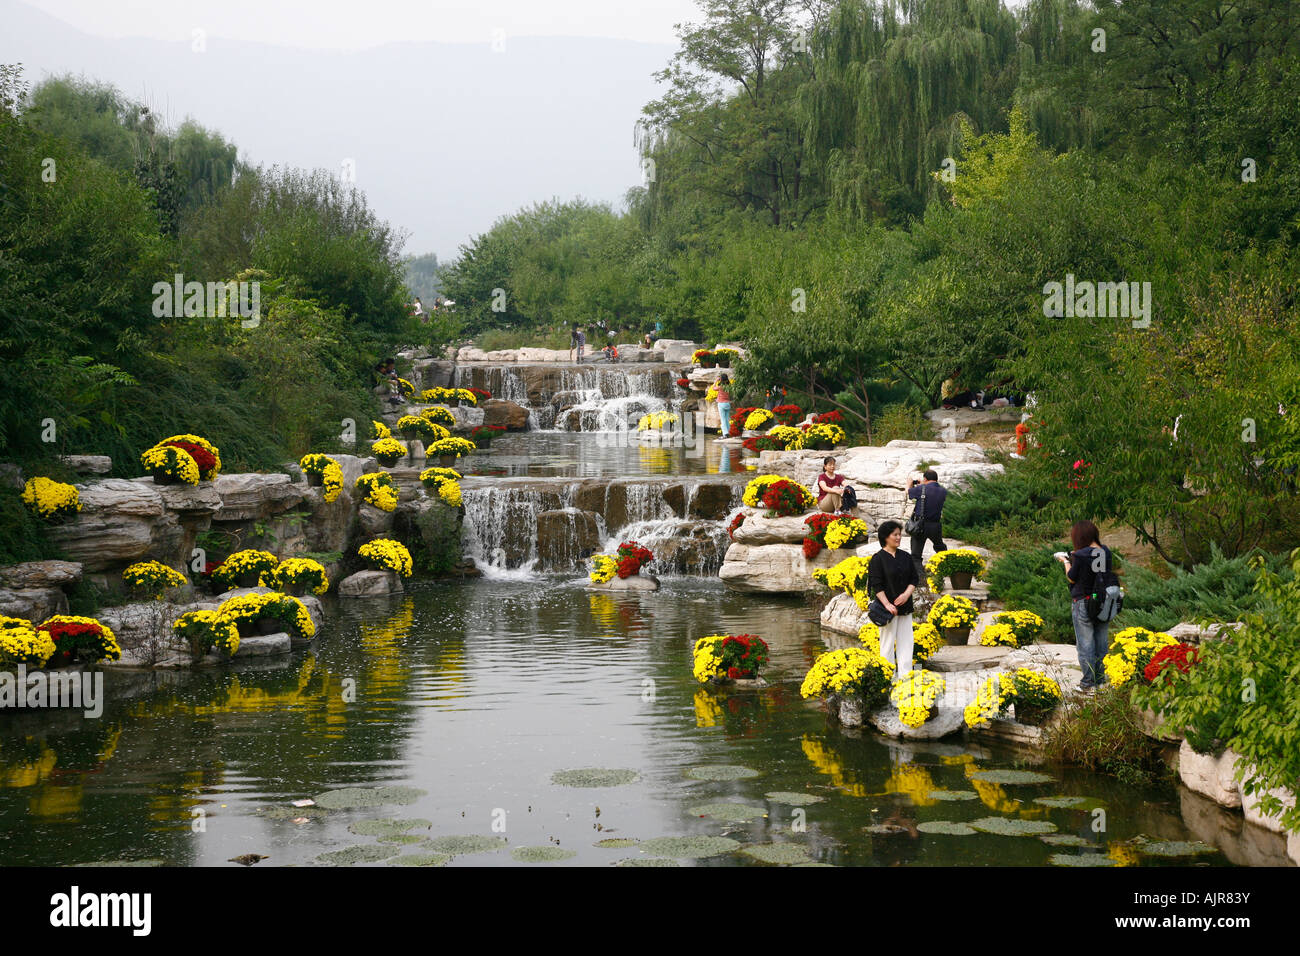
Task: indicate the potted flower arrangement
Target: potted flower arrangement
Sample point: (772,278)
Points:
(389,451)
(203,631)
(385,554)
(413,427)
(482,435)
(205,454)
(999,635)
(482,394)
(780,496)
(832,532)
(1131,650)
(604,568)
(916,695)
(22,643)
(169,465)
(1033,694)
(84,637)
(785,436)
(243,569)
(151,579)
(736,522)
(959,565)
(656,421)
(724,357)
(51,500)
(377,490)
(444,482)
(296,577)
(436,395)
(926,639)
(406,388)
(451,448)
(788,414)
(269,614)
(703,358)
(439,416)
(1026,624)
(381,430)
(684,382)
(322,471)
(721,658)
(955,616)
(850,675)
(466,397)
(822,437)
(632,557)
(758,419)
(850,577)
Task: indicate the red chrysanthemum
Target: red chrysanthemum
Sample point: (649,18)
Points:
(202,457)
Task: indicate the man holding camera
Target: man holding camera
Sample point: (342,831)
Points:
(928,517)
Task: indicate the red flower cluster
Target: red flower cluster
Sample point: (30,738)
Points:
(816,540)
(783,497)
(478,430)
(684,382)
(69,636)
(834,418)
(482,394)
(631,558)
(743,654)
(736,522)
(202,457)
(738,420)
(787,414)
(210,566)
(757,443)
(1183,656)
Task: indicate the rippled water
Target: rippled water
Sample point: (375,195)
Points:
(545,454)
(476,693)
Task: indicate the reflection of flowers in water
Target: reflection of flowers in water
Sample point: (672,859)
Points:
(59,790)
(828,762)
(659,461)
(381,643)
(1124,854)
(29,769)
(993,796)
(913,782)
(610,614)
(708,713)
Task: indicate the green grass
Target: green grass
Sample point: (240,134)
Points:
(1103,734)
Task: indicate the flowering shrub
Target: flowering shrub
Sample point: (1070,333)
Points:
(786,498)
(926,639)
(737,422)
(413,426)
(481,394)
(204,630)
(451,446)
(21,643)
(1177,656)
(170,462)
(757,443)
(444,482)
(205,454)
(245,609)
(603,568)
(916,692)
(381,430)
(631,558)
(725,353)
(152,578)
(656,421)
(301,572)
(753,495)
(1131,650)
(736,522)
(953,561)
(1026,624)
(785,436)
(700,356)
(385,554)
(70,633)
(991,700)
(831,531)
(406,388)
(247,562)
(388,450)
(953,610)
(787,414)
(757,419)
(734,657)
(849,672)
(331,474)
(377,489)
(999,635)
(849,576)
(822,437)
(832,418)
(439,416)
(50,499)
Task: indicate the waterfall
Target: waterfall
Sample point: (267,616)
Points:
(680,545)
(500,528)
(589,397)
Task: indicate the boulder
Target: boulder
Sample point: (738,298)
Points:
(843,616)
(118,522)
(713,500)
(88,464)
(696,548)
(565,537)
(365,584)
(372,522)
(498,411)
(949,720)
(264,645)
(1209,775)
(252,496)
(432,373)
(676,351)
(637,582)
(759,529)
(1190,633)
(40,574)
(775,568)
(890,466)
(34,604)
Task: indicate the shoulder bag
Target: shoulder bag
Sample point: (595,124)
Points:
(916,523)
(877,613)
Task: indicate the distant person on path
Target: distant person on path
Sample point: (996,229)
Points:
(892,580)
(416,308)
(647,342)
(573,340)
(723,391)
(930,513)
(582,344)
(830,487)
(1091,638)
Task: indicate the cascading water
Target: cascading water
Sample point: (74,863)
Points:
(500,529)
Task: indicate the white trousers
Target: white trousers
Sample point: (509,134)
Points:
(896,643)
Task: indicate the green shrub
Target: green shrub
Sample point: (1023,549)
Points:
(22,534)
(1104,734)
(900,420)
(1223,589)
(1033,580)
(437,549)
(998,511)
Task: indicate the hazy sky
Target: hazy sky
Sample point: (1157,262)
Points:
(355,24)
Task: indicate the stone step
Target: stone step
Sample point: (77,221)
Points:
(969,658)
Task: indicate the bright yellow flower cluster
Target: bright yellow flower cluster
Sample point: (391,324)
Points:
(656,421)
(603,568)
(21,643)
(387,555)
(284,607)
(842,531)
(754,490)
(451,446)
(172,461)
(381,430)
(848,671)
(152,578)
(1131,651)
(991,700)
(849,576)
(439,416)
(825,433)
(331,474)
(444,482)
(708,658)
(405,387)
(449,492)
(953,561)
(207,629)
(106,646)
(50,499)
(1034,688)
(711,393)
(953,610)
(448,395)
(297,571)
(248,561)
(1026,624)
(207,446)
(914,694)
(377,489)
(788,435)
(758,418)
(999,635)
(926,639)
(387,448)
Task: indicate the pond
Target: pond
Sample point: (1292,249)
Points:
(476,694)
(558,454)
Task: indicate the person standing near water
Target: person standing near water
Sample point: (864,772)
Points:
(1092,638)
(892,580)
(722,390)
(582,343)
(573,340)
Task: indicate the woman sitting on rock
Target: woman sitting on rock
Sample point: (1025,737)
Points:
(830,488)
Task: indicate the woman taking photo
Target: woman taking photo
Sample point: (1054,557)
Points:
(1092,638)
(892,580)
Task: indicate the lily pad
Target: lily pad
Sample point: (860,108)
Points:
(729,812)
(1063,801)
(467,843)
(350,798)
(404,839)
(381,827)
(816,863)
(952,795)
(647,861)
(1065,839)
(946,827)
(721,772)
(541,854)
(886,829)
(1010,826)
(613,842)
(362,853)
(1010,776)
(420,859)
(291,813)
(1176,848)
(792,799)
(1080,859)
(689,848)
(786,853)
(593,777)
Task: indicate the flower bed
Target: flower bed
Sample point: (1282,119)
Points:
(385,554)
(729,657)
(915,695)
(152,578)
(203,631)
(207,457)
(302,574)
(822,437)
(85,637)
(439,416)
(926,639)
(1033,692)
(247,565)
(787,414)
(329,472)
(377,489)
(1026,624)
(758,419)
(170,464)
(50,500)
(779,495)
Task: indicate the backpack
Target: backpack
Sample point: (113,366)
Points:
(849,500)
(1107,597)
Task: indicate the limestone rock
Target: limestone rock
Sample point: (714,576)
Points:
(373,522)
(1209,775)
(1190,633)
(637,582)
(566,536)
(117,523)
(88,464)
(949,720)
(775,568)
(365,584)
(891,466)
(843,616)
(40,574)
(969,658)
(264,645)
(759,529)
(1251,808)
(34,604)
(498,411)
(255,497)
(676,351)
(695,547)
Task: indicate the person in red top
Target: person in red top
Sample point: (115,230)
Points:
(830,487)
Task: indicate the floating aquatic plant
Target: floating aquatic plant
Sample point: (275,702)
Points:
(466,843)
(1175,848)
(541,854)
(886,829)
(403,839)
(593,777)
(1010,776)
(1065,839)
(420,859)
(721,772)
(792,799)
(1010,826)
(692,847)
(1080,859)
(729,812)
(647,861)
(613,842)
(382,827)
(351,798)
(362,853)
(953,795)
(946,827)
(782,853)
(1062,801)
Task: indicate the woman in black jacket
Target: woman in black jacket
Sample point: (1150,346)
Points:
(892,579)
